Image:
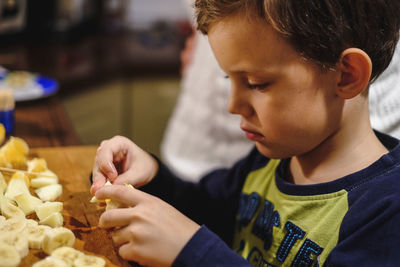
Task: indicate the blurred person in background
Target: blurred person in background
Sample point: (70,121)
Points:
(202,135)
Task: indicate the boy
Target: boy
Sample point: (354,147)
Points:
(320,189)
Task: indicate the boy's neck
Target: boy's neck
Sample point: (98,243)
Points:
(349,150)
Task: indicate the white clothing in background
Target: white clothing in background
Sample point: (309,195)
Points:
(384,98)
(201,134)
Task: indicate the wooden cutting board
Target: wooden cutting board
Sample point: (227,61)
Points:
(73,166)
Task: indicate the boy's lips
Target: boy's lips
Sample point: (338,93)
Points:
(252,135)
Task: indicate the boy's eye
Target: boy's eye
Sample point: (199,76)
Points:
(257,86)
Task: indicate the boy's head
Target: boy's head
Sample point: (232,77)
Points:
(319,30)
(296,66)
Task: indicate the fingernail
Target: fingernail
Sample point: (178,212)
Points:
(111,171)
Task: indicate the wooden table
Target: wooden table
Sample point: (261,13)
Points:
(73,166)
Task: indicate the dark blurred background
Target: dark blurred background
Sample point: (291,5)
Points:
(116,61)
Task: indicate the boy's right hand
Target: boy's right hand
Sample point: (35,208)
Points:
(122,162)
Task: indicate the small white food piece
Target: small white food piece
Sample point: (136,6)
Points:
(53,220)
(9,256)
(45,209)
(67,254)
(95,200)
(35,235)
(51,261)
(43,181)
(27,203)
(90,261)
(16,225)
(57,237)
(49,192)
(16,186)
(8,210)
(20,242)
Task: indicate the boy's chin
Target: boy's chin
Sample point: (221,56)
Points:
(272,153)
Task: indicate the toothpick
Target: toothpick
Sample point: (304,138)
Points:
(10,170)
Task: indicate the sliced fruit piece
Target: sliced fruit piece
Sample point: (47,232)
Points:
(90,261)
(53,220)
(51,261)
(27,203)
(9,256)
(16,225)
(67,254)
(17,185)
(37,165)
(43,181)
(2,133)
(49,192)
(9,210)
(35,235)
(2,219)
(57,237)
(45,209)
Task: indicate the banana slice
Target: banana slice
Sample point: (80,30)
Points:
(43,181)
(9,210)
(90,261)
(49,192)
(2,219)
(37,165)
(16,225)
(51,261)
(54,220)
(35,234)
(9,256)
(19,241)
(17,185)
(31,223)
(47,208)
(27,203)
(57,237)
(67,254)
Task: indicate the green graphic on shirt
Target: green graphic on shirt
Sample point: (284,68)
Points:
(277,229)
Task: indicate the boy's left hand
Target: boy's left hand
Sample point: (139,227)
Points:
(151,232)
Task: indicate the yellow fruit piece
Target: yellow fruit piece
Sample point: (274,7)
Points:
(37,165)
(14,152)
(19,175)
(2,133)
(20,145)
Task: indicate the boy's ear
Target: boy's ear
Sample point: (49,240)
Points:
(355,68)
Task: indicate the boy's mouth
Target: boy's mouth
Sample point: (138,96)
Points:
(252,135)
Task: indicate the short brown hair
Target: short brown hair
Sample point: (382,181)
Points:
(320,30)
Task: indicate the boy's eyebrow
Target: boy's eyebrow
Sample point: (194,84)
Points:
(255,72)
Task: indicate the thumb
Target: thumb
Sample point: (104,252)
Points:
(129,177)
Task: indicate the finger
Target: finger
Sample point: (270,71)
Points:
(104,162)
(128,177)
(121,236)
(98,181)
(116,218)
(125,195)
(127,252)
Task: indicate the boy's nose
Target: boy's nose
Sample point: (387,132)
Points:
(237,103)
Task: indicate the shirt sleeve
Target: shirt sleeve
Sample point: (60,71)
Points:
(370,232)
